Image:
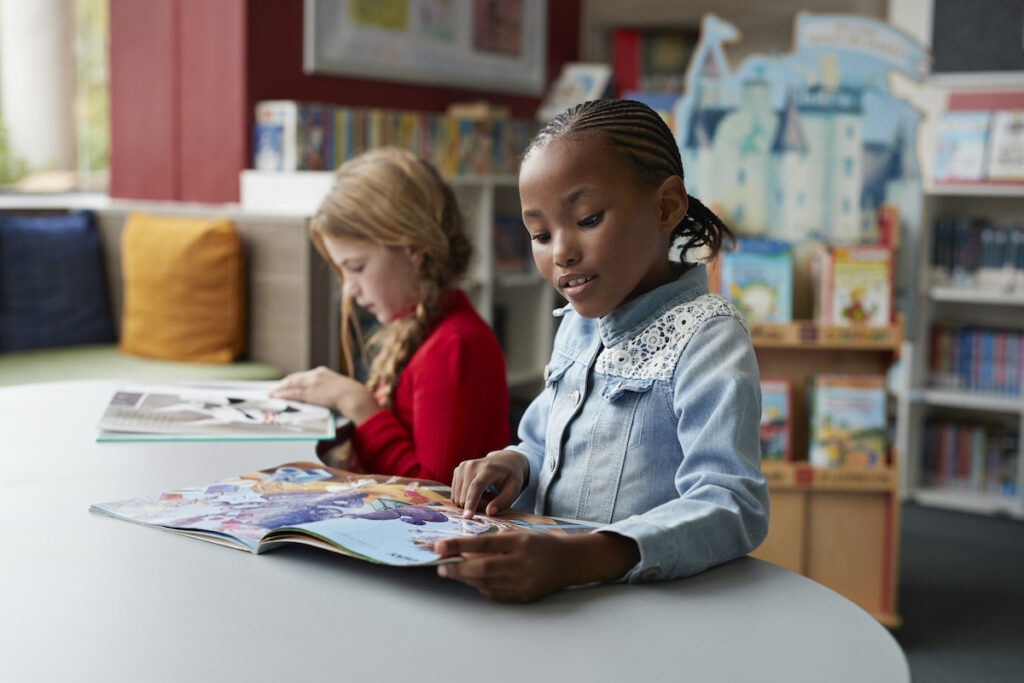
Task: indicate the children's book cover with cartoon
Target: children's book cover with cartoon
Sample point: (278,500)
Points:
(848,421)
(214,411)
(861,287)
(386,520)
(757,276)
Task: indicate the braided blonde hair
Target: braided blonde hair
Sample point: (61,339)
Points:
(391,197)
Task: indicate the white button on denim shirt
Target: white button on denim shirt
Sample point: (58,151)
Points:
(649,424)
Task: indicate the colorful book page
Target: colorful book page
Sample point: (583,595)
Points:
(387,520)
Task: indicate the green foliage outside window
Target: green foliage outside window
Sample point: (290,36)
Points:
(91,101)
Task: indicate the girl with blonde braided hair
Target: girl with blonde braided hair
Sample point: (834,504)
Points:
(436,393)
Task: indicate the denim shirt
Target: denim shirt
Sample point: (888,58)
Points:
(649,426)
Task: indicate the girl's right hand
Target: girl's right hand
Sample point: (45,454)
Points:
(505,470)
(325,387)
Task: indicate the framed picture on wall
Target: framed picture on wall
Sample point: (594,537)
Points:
(494,45)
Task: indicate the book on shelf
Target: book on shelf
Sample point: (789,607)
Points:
(576,83)
(853,285)
(381,519)
(847,418)
(651,60)
(756,275)
(316,137)
(981,359)
(233,411)
(275,136)
(961,143)
(968,252)
(970,456)
(291,136)
(1006,146)
(512,253)
(776,418)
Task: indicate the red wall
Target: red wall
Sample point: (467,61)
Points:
(185,75)
(143,112)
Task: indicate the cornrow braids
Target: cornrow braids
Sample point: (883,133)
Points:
(392,197)
(639,135)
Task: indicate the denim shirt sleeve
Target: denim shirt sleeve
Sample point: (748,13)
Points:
(532,428)
(722,509)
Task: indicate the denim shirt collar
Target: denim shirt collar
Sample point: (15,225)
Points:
(633,317)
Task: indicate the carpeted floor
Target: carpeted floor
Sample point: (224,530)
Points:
(961,596)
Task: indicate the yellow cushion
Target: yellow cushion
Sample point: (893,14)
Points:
(184,289)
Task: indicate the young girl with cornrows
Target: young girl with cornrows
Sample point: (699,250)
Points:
(436,393)
(648,423)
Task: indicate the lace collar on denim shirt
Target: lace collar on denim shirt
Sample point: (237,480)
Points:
(644,338)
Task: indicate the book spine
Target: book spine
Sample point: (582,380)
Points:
(964,448)
(987,379)
(626,60)
(931,452)
(978,444)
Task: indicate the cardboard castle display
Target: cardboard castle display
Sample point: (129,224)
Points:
(806,145)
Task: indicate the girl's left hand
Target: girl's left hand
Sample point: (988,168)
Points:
(520,566)
(510,566)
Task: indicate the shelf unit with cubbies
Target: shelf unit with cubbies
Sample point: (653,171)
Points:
(943,305)
(505,287)
(838,526)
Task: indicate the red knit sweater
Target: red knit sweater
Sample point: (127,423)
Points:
(451,403)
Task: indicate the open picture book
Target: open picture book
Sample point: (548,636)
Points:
(209,412)
(378,518)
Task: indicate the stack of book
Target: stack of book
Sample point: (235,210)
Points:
(972,253)
(977,359)
(970,457)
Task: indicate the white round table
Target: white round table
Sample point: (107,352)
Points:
(88,598)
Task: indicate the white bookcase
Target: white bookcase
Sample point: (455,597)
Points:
(517,303)
(1002,204)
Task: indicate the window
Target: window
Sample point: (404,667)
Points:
(54,105)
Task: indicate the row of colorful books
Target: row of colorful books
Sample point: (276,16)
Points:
(295,136)
(977,146)
(847,420)
(977,359)
(972,253)
(970,457)
(853,284)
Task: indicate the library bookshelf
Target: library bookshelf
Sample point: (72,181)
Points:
(838,526)
(938,304)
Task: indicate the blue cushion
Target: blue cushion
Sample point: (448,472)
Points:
(53,289)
